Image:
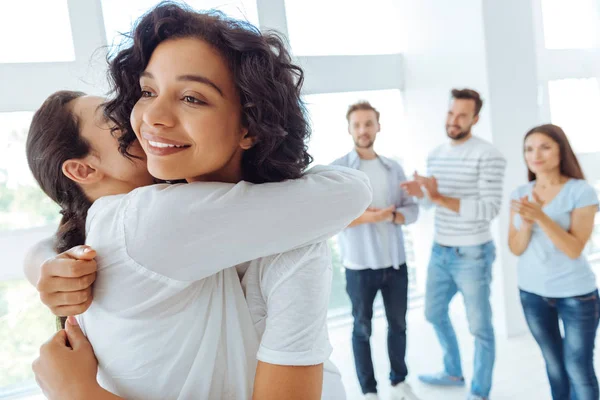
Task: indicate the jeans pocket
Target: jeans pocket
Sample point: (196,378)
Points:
(587,297)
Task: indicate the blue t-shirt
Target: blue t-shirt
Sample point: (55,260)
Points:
(543,269)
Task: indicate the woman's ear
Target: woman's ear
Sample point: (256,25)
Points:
(247,141)
(81,172)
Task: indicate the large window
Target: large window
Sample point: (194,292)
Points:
(24,322)
(343,27)
(22,203)
(40,36)
(120,15)
(570,24)
(574,105)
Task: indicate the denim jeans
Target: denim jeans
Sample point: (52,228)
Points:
(468,270)
(362,286)
(569,359)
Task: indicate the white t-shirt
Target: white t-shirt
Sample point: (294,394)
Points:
(169,319)
(288,296)
(380,182)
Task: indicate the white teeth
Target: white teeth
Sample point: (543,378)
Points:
(162,145)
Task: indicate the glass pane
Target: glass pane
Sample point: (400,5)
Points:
(22,203)
(119,15)
(330,140)
(574,105)
(43,35)
(24,325)
(342,27)
(570,24)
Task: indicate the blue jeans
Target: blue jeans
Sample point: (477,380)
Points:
(569,359)
(362,286)
(468,270)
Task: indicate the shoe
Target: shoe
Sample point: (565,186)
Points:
(371,396)
(475,397)
(402,391)
(442,379)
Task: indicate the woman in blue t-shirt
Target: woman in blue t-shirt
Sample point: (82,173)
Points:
(552,218)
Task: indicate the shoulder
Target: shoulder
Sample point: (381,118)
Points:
(296,267)
(487,150)
(521,191)
(437,151)
(343,161)
(580,189)
(105,206)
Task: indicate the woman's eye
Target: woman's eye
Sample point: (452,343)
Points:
(192,99)
(146,93)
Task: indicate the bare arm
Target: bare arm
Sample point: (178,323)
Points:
(66,370)
(573,241)
(373,216)
(518,239)
(451,203)
(275,382)
(407,210)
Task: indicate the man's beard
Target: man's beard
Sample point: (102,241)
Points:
(369,144)
(461,134)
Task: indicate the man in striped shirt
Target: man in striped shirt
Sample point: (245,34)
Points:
(464,183)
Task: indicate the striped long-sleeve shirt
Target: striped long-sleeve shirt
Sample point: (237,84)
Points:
(473,172)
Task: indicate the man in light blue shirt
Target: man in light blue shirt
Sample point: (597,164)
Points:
(372,250)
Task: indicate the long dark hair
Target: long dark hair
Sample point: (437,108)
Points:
(267,81)
(569,165)
(54,138)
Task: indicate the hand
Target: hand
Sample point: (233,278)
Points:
(381,214)
(430,186)
(64,372)
(413,188)
(530,211)
(65,283)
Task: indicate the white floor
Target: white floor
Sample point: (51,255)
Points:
(519,372)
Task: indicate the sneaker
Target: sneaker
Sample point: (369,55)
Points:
(442,379)
(371,396)
(402,391)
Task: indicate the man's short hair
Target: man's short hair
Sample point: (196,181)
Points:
(361,105)
(468,94)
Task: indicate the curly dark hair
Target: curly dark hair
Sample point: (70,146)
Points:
(267,81)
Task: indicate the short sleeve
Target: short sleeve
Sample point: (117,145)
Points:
(585,195)
(296,286)
(516,194)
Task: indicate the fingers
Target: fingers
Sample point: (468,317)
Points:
(77,339)
(82,252)
(72,309)
(55,284)
(56,299)
(59,338)
(68,267)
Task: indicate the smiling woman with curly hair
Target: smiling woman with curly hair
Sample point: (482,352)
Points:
(215,103)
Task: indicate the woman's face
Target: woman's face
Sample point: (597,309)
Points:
(188,118)
(127,174)
(542,153)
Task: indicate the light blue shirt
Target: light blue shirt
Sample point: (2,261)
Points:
(361,246)
(543,269)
